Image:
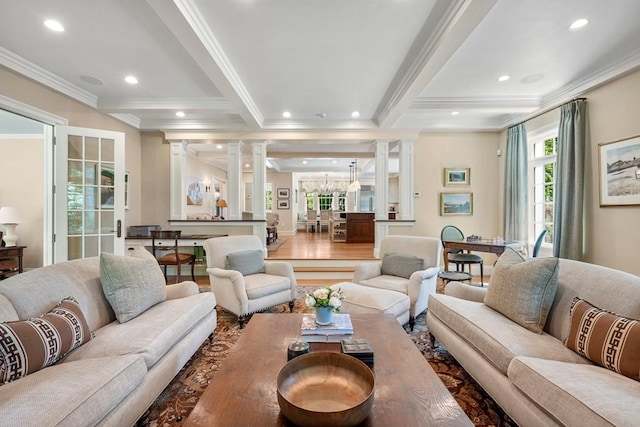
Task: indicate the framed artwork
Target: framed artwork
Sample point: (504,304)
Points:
(283,203)
(457,176)
(283,193)
(619,172)
(195,191)
(456,204)
(107,187)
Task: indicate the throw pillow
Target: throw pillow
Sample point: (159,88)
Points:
(394,264)
(610,340)
(246,262)
(132,284)
(27,346)
(523,290)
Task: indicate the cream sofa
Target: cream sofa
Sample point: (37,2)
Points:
(534,377)
(112,379)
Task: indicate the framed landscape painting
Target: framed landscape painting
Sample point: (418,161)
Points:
(456,204)
(619,172)
(283,193)
(457,176)
(283,204)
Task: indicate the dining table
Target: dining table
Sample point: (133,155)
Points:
(495,246)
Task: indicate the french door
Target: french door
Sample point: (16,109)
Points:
(89,193)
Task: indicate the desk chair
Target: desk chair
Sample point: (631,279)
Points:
(457,256)
(169,255)
(312,220)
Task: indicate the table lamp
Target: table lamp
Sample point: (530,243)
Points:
(10,218)
(221,203)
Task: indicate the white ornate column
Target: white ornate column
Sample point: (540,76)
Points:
(258,203)
(382,192)
(177,181)
(234,180)
(405,180)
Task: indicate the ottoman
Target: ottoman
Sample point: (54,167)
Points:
(365,299)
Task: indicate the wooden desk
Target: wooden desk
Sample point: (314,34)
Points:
(243,392)
(485,245)
(11,260)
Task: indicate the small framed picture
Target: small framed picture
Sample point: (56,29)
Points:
(456,204)
(283,203)
(457,176)
(619,172)
(283,193)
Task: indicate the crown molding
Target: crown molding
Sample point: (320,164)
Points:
(44,77)
(528,103)
(129,119)
(128,104)
(319,124)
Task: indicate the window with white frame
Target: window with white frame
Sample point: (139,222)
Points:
(268,191)
(542,180)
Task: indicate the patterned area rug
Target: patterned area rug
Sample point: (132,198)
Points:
(176,402)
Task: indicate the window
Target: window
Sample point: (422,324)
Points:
(268,192)
(324,201)
(542,179)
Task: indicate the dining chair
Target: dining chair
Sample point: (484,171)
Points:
(324,219)
(458,256)
(538,244)
(312,220)
(168,254)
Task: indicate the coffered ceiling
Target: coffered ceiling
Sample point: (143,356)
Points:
(233,67)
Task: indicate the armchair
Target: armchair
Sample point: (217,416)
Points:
(242,281)
(396,254)
(273,219)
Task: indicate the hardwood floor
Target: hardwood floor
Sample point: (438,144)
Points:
(305,245)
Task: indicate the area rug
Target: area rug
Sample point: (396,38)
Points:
(179,398)
(275,245)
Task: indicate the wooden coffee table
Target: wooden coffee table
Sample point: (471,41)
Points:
(243,391)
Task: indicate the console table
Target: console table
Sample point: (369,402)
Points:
(11,260)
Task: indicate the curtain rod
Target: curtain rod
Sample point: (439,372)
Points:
(547,110)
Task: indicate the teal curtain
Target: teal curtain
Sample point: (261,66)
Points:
(568,221)
(516,184)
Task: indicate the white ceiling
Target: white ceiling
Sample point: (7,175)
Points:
(236,65)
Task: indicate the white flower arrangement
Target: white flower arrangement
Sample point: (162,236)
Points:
(325,297)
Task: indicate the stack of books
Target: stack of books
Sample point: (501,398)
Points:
(339,328)
(358,348)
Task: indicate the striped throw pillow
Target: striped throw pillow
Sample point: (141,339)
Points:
(610,340)
(27,346)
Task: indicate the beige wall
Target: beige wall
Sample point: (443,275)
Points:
(23,188)
(78,114)
(288,217)
(474,150)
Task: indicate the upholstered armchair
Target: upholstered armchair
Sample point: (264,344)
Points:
(242,281)
(408,264)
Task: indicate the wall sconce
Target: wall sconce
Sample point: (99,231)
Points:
(207,188)
(10,218)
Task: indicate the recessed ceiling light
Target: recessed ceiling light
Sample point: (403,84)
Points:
(504,78)
(92,80)
(580,23)
(286,114)
(246,165)
(54,25)
(334,162)
(131,80)
(355,114)
(304,162)
(219,146)
(455,113)
(180,114)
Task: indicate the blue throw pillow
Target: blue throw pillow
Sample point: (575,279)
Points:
(246,262)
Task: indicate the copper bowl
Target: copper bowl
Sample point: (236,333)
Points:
(325,389)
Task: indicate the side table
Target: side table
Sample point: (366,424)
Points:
(11,260)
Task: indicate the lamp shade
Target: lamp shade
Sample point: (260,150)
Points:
(9,215)
(222,203)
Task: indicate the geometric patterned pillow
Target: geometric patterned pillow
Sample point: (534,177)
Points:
(610,340)
(27,346)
